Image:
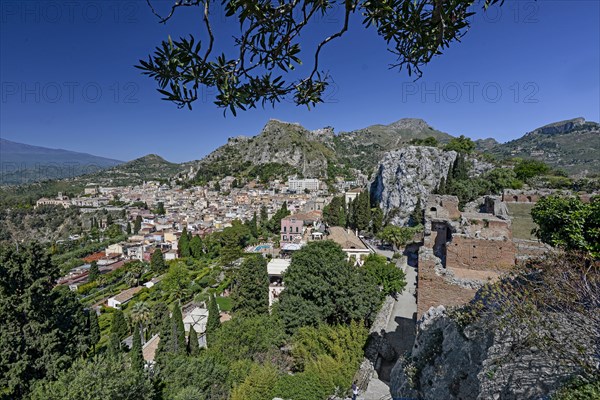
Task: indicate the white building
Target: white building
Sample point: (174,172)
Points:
(299,185)
(275,268)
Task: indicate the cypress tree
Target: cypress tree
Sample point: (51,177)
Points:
(196,247)
(94,328)
(178,344)
(264,216)
(137,357)
(213,321)
(251,290)
(119,325)
(377,218)
(114,345)
(184,244)
(128,228)
(109,220)
(192,347)
(157,262)
(417,214)
(137,224)
(94,272)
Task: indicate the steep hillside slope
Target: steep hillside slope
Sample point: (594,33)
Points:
(364,148)
(281,146)
(572,146)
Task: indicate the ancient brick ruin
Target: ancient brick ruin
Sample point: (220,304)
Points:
(462,250)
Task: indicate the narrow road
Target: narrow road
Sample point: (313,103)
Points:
(400,331)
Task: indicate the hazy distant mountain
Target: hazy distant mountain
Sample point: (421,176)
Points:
(572,145)
(23,163)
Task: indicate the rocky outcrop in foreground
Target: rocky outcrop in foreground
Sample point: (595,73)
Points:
(522,338)
(404,176)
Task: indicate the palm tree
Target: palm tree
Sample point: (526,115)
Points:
(140,314)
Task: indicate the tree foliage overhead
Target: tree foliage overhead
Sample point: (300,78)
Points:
(42,329)
(267,47)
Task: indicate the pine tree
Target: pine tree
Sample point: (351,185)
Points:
(193,349)
(128,229)
(178,344)
(251,290)
(196,247)
(213,321)
(94,328)
(157,262)
(137,357)
(94,273)
(184,244)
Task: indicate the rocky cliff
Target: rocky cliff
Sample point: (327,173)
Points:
(404,176)
(521,338)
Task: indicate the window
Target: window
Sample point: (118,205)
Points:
(296,229)
(284,238)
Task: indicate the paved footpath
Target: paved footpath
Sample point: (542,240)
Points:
(400,332)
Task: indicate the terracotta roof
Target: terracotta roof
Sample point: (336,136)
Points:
(345,238)
(128,294)
(149,349)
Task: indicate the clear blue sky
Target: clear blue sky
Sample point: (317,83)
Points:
(68,79)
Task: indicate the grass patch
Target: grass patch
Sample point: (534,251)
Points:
(225,303)
(522,223)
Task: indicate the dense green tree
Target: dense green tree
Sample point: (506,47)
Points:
(527,169)
(137,224)
(252,225)
(569,223)
(137,358)
(118,325)
(417,216)
(460,168)
(361,211)
(275,221)
(502,178)
(264,216)
(128,228)
(377,220)
(109,220)
(160,208)
(114,345)
(178,343)
(194,378)
(196,247)
(386,275)
(94,328)
(320,285)
(140,315)
(233,239)
(461,144)
(99,379)
(114,231)
(42,328)
(177,280)
(255,67)
(184,244)
(334,213)
(193,348)
(157,262)
(396,235)
(258,385)
(213,321)
(94,273)
(250,291)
